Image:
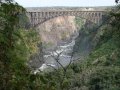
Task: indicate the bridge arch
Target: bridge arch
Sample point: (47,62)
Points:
(39,17)
(59,16)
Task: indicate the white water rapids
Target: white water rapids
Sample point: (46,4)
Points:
(64,58)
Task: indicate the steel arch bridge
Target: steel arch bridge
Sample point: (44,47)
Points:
(38,16)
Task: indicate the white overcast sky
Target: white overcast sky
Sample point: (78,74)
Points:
(48,3)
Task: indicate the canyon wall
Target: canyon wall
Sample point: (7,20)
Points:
(57,29)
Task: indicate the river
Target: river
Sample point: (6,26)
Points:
(61,56)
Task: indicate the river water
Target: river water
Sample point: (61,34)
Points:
(61,56)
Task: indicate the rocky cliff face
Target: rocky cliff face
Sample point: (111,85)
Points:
(52,32)
(57,29)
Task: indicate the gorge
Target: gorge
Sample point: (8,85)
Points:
(59,48)
(59,36)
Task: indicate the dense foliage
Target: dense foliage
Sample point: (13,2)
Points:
(16,46)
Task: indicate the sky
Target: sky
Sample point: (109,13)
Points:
(74,3)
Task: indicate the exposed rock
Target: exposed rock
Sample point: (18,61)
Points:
(58,29)
(52,33)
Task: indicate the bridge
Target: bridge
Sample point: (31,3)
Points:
(38,16)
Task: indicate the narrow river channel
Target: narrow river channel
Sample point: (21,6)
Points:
(62,53)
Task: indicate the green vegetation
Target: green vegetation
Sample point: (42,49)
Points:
(87,39)
(99,71)
(79,22)
(16,46)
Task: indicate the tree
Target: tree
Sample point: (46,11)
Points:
(9,36)
(16,45)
